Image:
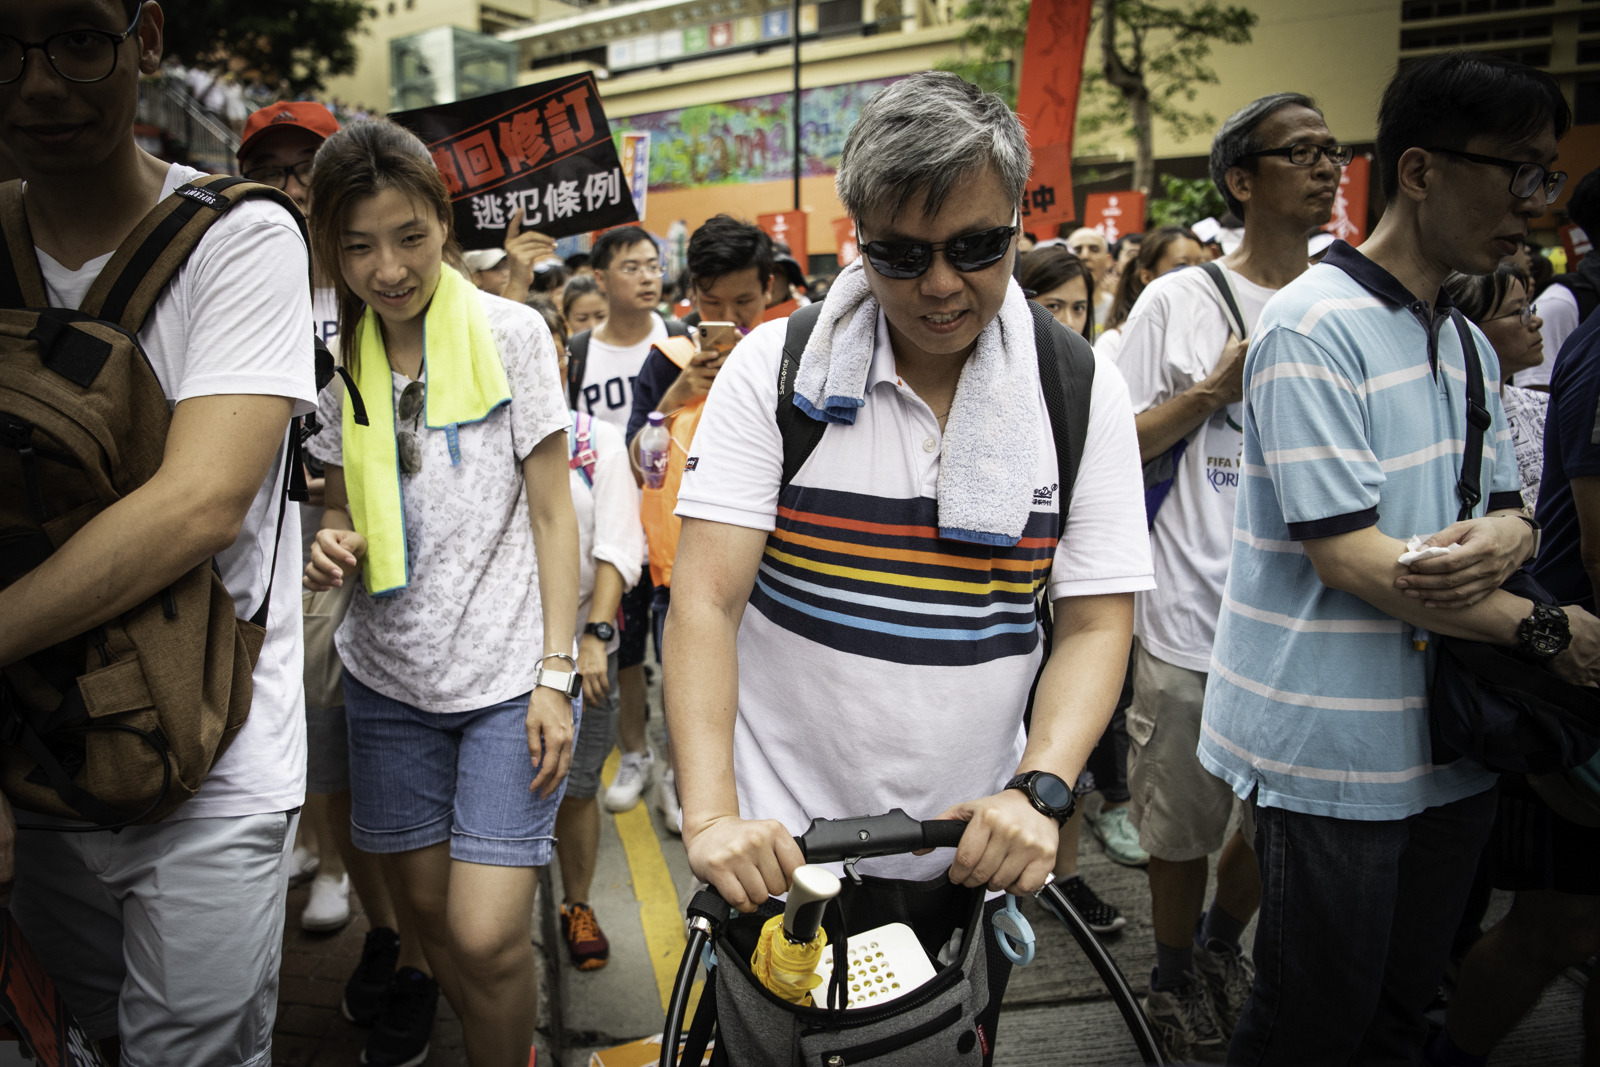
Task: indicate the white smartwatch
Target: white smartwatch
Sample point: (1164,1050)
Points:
(569,683)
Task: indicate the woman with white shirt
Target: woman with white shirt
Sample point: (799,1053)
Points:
(447,493)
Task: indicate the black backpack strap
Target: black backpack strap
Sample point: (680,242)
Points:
(1468,488)
(1066,374)
(1220,280)
(800,431)
(21,284)
(675,327)
(577,362)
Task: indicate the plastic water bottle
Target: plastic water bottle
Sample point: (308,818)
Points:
(655,448)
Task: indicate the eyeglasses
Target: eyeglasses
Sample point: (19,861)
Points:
(1526,178)
(911,259)
(81,56)
(407,443)
(278,177)
(1524,315)
(630,269)
(1306,155)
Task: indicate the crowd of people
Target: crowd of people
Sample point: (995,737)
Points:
(1285,502)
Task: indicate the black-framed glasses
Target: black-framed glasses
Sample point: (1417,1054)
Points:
(911,259)
(278,177)
(1306,155)
(81,56)
(1524,315)
(407,444)
(1526,178)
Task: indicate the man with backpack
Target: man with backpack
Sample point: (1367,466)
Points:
(167,934)
(853,623)
(1277,165)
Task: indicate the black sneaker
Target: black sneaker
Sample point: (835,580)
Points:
(400,1036)
(368,987)
(1101,917)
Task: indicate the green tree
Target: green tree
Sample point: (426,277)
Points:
(1186,202)
(293,46)
(991,45)
(1152,58)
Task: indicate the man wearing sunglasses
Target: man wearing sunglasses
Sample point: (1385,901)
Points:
(166,936)
(842,642)
(1316,709)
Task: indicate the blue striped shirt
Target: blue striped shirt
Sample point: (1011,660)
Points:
(1352,419)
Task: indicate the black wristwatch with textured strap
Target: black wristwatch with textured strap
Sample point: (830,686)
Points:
(1048,794)
(1544,634)
(603,630)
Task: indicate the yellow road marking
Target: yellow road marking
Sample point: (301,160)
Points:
(652,885)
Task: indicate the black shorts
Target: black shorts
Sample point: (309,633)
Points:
(635,622)
(1532,847)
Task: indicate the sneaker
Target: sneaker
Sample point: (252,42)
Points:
(1227,974)
(368,988)
(1101,917)
(667,801)
(1184,1023)
(400,1036)
(303,864)
(586,945)
(1119,837)
(632,776)
(329,907)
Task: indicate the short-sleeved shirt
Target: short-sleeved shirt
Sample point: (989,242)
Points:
(467,631)
(1570,451)
(236,319)
(609,530)
(1558,307)
(1352,419)
(609,372)
(880,666)
(1525,413)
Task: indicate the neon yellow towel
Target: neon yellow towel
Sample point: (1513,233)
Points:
(466,380)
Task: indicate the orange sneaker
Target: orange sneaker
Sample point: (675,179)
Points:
(585,943)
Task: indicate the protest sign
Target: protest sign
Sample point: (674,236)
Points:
(1349,222)
(544,148)
(844,236)
(38,1016)
(788,227)
(636,167)
(1114,214)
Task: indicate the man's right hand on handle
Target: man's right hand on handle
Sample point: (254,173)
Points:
(746,861)
(334,555)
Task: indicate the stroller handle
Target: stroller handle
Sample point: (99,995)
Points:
(832,840)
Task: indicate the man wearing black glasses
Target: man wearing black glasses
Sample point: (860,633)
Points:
(1356,424)
(167,935)
(861,636)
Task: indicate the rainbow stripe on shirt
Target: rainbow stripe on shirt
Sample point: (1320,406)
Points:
(870,576)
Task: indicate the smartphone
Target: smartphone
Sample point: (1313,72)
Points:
(719,337)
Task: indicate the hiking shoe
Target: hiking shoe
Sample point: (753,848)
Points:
(1101,917)
(586,945)
(1227,974)
(1118,836)
(400,1036)
(1185,1023)
(633,774)
(667,801)
(329,906)
(368,988)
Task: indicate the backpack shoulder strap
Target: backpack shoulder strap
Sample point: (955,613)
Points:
(139,270)
(675,327)
(21,285)
(1066,374)
(577,361)
(1469,488)
(800,431)
(1230,304)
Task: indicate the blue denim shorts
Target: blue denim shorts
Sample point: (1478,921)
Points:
(420,777)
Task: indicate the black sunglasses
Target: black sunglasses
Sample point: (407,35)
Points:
(82,56)
(1306,155)
(1526,178)
(911,259)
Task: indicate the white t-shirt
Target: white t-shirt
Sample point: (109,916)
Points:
(1172,341)
(236,319)
(1558,307)
(1109,344)
(608,376)
(608,520)
(468,630)
(881,667)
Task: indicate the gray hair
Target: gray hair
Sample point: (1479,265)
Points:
(1237,139)
(925,133)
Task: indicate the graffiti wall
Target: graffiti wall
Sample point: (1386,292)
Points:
(751,140)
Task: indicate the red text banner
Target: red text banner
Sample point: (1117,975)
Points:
(1052,70)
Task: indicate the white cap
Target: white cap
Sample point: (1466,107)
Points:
(481,259)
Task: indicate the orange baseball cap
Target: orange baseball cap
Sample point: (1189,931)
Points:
(306,114)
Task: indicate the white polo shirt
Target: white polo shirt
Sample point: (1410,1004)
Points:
(879,666)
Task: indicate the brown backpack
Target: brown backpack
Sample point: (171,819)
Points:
(121,724)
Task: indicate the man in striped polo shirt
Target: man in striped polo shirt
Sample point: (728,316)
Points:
(1317,704)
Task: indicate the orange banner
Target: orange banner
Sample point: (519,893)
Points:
(1052,69)
(844,236)
(1349,222)
(1114,214)
(788,227)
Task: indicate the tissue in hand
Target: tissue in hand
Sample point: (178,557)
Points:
(1415,552)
